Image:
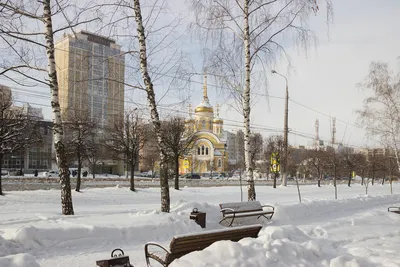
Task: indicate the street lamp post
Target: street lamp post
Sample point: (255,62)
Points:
(285,137)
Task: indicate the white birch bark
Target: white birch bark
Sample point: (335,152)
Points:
(165,198)
(251,192)
(66,197)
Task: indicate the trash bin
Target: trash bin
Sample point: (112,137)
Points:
(117,260)
(198,217)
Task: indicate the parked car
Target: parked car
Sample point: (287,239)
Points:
(16,173)
(191,176)
(51,173)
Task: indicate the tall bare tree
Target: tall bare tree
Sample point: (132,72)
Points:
(178,140)
(96,151)
(125,139)
(79,131)
(274,144)
(27,33)
(380,114)
(333,162)
(375,165)
(316,160)
(351,159)
(251,32)
(256,148)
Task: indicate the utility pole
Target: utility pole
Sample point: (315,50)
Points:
(286,129)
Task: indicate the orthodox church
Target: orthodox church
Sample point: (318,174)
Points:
(208,153)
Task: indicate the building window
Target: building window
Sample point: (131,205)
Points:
(219,163)
(203,124)
(198,151)
(206,150)
(210,125)
(202,150)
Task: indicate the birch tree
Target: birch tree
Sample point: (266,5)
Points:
(253,33)
(27,33)
(380,114)
(159,68)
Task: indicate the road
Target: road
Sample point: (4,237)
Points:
(36,183)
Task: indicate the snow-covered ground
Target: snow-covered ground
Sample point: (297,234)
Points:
(355,230)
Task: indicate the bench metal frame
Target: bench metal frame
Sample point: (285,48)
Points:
(233,214)
(197,241)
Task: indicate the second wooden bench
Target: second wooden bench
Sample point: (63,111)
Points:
(231,211)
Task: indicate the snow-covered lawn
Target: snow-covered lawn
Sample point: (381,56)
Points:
(355,230)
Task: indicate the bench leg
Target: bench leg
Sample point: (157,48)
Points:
(263,215)
(225,219)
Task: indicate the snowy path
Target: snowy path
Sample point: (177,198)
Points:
(355,229)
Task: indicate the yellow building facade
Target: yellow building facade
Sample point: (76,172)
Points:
(208,153)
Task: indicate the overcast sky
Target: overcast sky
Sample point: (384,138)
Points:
(324,81)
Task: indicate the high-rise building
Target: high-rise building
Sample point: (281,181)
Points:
(91,71)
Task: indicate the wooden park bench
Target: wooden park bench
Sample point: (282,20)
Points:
(231,211)
(394,209)
(184,244)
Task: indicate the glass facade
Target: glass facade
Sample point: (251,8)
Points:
(103,62)
(36,157)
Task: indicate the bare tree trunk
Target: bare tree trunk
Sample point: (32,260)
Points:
(78,178)
(373,177)
(251,191)
(132,179)
(165,198)
(66,197)
(241,189)
(349,182)
(298,189)
(391,183)
(334,182)
(1,167)
(362,180)
(93,170)
(319,178)
(177,173)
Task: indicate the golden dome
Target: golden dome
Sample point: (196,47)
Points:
(203,108)
(218,120)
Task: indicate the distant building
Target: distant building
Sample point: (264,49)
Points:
(230,146)
(208,153)
(91,74)
(5,92)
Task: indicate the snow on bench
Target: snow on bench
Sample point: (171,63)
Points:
(233,210)
(183,244)
(394,209)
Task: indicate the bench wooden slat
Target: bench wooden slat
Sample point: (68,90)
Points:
(241,206)
(212,236)
(184,244)
(200,244)
(233,210)
(248,214)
